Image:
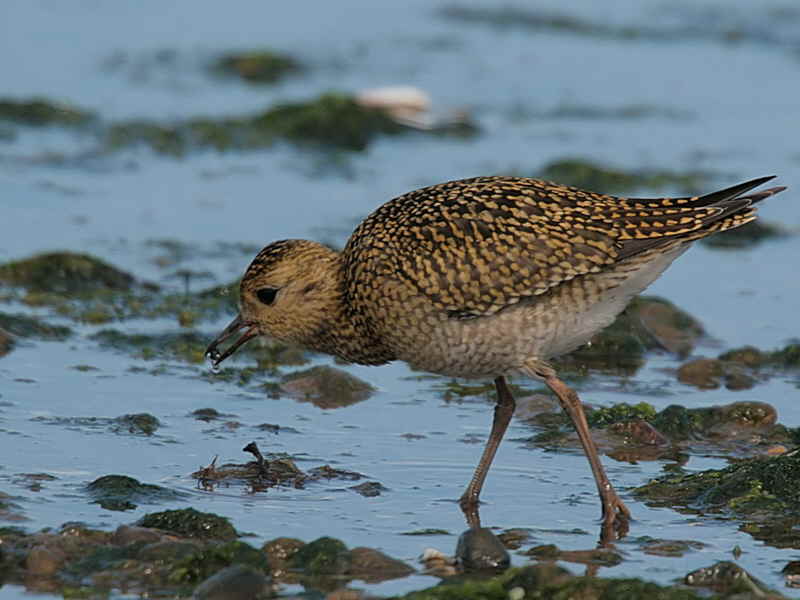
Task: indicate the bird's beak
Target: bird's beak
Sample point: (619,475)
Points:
(237,324)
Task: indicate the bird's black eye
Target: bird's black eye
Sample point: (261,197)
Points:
(267,295)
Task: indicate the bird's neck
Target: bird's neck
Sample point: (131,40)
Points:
(345,333)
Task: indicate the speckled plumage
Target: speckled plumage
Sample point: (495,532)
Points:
(480,277)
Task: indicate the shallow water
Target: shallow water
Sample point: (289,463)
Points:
(737,117)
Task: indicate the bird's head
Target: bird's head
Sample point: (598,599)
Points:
(288,293)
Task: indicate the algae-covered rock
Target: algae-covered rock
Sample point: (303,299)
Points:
(754,489)
(237,582)
(548,580)
(257,66)
(334,120)
(143,423)
(369,489)
(190,523)
(326,387)
(40,111)
(638,432)
(681,423)
(621,412)
(747,356)
(32,327)
(590,175)
(323,556)
(215,557)
(120,492)
(64,273)
(787,357)
(740,368)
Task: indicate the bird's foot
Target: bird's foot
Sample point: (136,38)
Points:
(470,507)
(616,519)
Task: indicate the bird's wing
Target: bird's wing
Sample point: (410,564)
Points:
(478,245)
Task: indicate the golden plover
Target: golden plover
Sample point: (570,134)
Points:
(481,278)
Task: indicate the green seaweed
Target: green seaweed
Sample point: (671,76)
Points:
(618,413)
(548,580)
(323,556)
(191,523)
(207,561)
(40,111)
(749,488)
(332,121)
(587,174)
(257,66)
(64,273)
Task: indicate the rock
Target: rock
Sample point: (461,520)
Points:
(237,582)
(728,579)
(326,387)
(372,566)
(621,412)
(120,492)
(64,273)
(639,432)
(44,561)
(369,489)
(606,557)
(479,549)
(758,489)
(280,552)
(143,423)
(704,373)
(129,534)
(211,558)
(791,573)
(168,551)
(732,420)
(190,523)
(323,556)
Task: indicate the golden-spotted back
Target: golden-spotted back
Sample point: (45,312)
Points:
(476,246)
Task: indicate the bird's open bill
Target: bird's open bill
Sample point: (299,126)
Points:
(231,330)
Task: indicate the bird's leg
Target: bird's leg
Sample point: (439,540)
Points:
(503,411)
(615,513)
